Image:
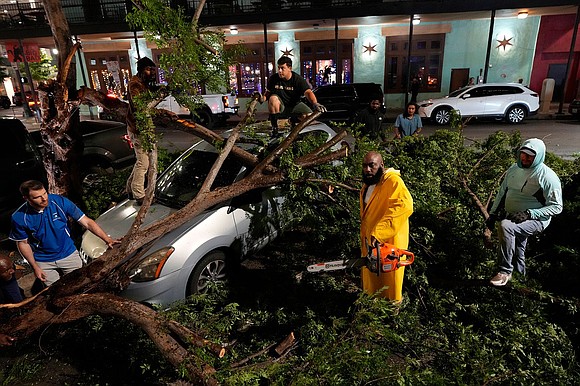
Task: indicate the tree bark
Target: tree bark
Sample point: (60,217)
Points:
(60,119)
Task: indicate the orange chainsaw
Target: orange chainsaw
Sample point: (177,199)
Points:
(380,259)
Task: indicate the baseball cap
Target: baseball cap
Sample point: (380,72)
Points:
(528,151)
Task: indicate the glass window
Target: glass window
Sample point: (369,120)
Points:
(321,57)
(250,78)
(425,62)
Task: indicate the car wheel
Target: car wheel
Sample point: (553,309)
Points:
(204,118)
(516,114)
(442,116)
(210,269)
(89,175)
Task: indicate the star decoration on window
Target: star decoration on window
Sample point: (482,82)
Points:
(287,52)
(504,43)
(370,49)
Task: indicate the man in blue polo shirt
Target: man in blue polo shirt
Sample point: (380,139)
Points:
(40,229)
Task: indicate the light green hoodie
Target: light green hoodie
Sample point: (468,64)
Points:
(537,188)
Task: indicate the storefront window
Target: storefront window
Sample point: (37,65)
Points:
(425,62)
(250,78)
(319,63)
(252,73)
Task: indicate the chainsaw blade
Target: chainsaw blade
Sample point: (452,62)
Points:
(336,265)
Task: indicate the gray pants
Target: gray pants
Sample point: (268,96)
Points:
(513,240)
(66,265)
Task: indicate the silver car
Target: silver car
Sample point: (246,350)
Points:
(185,260)
(510,101)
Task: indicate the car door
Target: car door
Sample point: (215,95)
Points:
(500,98)
(169,103)
(338,100)
(257,217)
(472,101)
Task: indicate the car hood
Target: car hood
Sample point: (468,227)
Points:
(117,221)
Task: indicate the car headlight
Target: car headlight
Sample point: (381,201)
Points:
(151,265)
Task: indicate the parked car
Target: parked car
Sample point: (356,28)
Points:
(343,100)
(17,99)
(106,146)
(574,108)
(218,108)
(5,102)
(20,160)
(510,101)
(183,261)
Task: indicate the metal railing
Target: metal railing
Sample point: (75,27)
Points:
(31,14)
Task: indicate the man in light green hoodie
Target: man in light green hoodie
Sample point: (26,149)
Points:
(529,195)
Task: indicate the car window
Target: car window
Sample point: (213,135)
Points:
(513,90)
(182,180)
(458,92)
(478,92)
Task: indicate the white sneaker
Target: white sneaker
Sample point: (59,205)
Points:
(500,279)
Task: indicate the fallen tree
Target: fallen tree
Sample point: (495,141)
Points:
(93,288)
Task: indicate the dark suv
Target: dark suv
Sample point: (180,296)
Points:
(343,100)
(19,161)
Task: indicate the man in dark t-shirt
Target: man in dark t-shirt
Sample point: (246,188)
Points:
(283,93)
(372,119)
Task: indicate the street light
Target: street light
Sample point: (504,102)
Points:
(522,15)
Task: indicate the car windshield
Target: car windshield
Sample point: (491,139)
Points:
(182,180)
(457,92)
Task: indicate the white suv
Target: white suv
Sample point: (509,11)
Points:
(510,101)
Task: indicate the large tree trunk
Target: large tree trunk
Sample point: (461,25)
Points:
(60,117)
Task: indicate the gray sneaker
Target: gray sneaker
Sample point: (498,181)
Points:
(500,279)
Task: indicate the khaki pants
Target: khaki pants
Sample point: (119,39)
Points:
(136,182)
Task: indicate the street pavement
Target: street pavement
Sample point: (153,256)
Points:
(560,132)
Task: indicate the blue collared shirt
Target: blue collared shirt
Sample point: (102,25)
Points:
(47,231)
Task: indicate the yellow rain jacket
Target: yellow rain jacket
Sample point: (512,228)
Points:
(386,217)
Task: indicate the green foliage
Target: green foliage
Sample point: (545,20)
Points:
(42,70)
(195,56)
(143,121)
(19,371)
(4,73)
(451,327)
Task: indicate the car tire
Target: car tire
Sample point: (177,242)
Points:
(516,114)
(90,174)
(442,116)
(211,268)
(204,118)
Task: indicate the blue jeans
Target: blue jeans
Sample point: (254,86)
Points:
(513,240)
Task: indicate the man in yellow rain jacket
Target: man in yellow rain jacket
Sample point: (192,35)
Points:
(385,207)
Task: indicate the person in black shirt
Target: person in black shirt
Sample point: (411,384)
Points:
(283,93)
(373,119)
